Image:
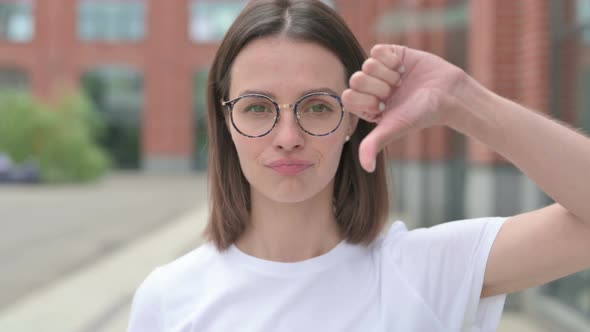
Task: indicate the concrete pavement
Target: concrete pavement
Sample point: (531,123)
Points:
(518,322)
(50,231)
(98,297)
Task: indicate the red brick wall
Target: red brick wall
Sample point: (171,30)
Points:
(509,53)
(432,143)
(571,58)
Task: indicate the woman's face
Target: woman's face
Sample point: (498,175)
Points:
(288,165)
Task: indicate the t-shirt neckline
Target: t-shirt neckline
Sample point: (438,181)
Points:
(342,251)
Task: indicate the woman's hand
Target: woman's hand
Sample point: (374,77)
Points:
(402,90)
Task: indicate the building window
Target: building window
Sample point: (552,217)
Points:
(573,291)
(111,20)
(201,153)
(117,94)
(329,3)
(13,79)
(16,20)
(583,18)
(210,19)
(582,11)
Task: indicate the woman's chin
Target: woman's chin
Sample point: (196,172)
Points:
(291,190)
(286,193)
(288,196)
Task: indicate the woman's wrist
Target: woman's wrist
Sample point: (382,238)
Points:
(471,106)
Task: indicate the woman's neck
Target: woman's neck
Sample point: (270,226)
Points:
(290,232)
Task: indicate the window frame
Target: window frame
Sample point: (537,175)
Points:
(27,7)
(100,21)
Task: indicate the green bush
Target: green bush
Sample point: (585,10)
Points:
(61,138)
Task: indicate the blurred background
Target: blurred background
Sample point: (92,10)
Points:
(103,140)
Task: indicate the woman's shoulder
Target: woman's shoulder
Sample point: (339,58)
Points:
(452,237)
(171,282)
(192,263)
(399,230)
(444,265)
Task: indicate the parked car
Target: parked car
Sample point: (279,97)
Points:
(11,172)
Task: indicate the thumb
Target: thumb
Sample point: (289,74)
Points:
(378,139)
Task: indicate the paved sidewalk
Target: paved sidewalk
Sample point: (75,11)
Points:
(51,231)
(97,298)
(518,322)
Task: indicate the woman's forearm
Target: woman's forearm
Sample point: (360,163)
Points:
(554,156)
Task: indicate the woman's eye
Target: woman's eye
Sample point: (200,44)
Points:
(319,108)
(257,109)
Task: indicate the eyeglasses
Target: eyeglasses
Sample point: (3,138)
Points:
(255,115)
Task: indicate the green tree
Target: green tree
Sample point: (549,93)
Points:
(61,138)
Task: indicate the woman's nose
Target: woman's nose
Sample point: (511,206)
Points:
(287,133)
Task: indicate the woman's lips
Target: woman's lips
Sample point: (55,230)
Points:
(289,166)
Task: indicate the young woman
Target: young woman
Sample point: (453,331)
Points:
(298,118)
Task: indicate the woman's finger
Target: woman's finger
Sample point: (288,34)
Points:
(364,83)
(386,131)
(356,102)
(370,117)
(377,69)
(389,56)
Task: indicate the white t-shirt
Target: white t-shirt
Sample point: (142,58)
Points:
(427,279)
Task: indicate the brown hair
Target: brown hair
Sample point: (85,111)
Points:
(360,199)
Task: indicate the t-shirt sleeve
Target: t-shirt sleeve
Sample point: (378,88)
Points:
(146,313)
(446,264)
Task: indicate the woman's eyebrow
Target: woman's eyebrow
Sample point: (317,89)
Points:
(273,96)
(326,90)
(258,92)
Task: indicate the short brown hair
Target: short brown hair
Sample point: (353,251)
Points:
(360,199)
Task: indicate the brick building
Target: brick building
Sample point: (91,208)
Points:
(144,63)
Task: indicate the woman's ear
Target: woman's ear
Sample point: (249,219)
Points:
(226,116)
(227,121)
(353,121)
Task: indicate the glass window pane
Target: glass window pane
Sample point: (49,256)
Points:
(583,17)
(209,19)
(111,20)
(16,21)
(329,3)
(573,291)
(117,94)
(201,152)
(13,79)
(135,22)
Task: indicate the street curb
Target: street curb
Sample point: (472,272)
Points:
(88,297)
